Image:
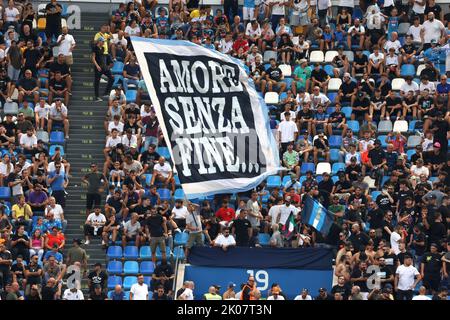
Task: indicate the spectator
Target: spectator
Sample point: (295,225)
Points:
(139,290)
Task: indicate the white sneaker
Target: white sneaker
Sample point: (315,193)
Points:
(9,100)
(177,230)
(103,243)
(86,243)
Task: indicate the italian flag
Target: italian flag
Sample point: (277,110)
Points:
(288,227)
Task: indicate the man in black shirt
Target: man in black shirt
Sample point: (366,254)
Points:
(337,120)
(156,231)
(377,161)
(393,106)
(274,77)
(61,66)
(6,86)
(163,276)
(97,277)
(430,268)
(98,294)
(347,91)
(320,78)
(408,50)
(149,158)
(384,85)
(360,107)
(242,229)
(321,148)
(360,276)
(58,89)
(32,58)
(360,63)
(102,64)
(53,20)
(429,71)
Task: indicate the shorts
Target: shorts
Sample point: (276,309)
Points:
(92,199)
(194,239)
(89,230)
(248,13)
(69,60)
(157,242)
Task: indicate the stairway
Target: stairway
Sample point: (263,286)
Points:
(87,136)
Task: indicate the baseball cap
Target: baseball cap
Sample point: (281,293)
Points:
(101,39)
(133,145)
(434,245)
(231,285)
(377,141)
(302,61)
(437,145)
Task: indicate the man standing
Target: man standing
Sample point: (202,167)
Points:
(287,132)
(242,229)
(194,226)
(102,64)
(53,20)
(430,268)
(406,279)
(96,183)
(66,44)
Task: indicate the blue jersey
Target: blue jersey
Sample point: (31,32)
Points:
(392,25)
(58,183)
(339,36)
(249,3)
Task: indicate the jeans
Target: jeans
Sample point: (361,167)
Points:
(97,76)
(404,294)
(13,73)
(127,81)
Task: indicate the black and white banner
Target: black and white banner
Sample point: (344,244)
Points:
(213,120)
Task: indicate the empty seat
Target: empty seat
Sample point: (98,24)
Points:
(353,125)
(334,155)
(397,84)
(329,69)
(177,180)
(323,167)
(181,238)
(131,252)
(159,253)
(117,68)
(131,96)
(385,126)
(400,125)
(146,267)
(338,166)
(113,281)
(163,152)
(285,69)
(409,153)
(164,194)
(334,84)
(307,166)
(407,70)
(335,141)
(128,281)
(316,56)
(179,194)
(350,56)
(375,194)
(114,267)
(131,267)
(273,182)
(42,135)
(145,252)
(114,252)
(413,141)
(264,239)
(178,253)
(329,55)
(271,98)
(57,137)
(148,179)
(5,193)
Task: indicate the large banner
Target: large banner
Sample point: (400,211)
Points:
(214,122)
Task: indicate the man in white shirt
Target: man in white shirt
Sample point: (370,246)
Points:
(409,85)
(433,29)
(112,142)
(225,240)
(395,239)
(94,224)
(376,61)
(28,141)
(416,31)
(304,296)
(287,132)
(422,294)
(41,112)
(180,213)
(406,279)
(73,294)
(393,43)
(139,290)
(162,172)
(66,44)
(285,212)
(57,211)
(275,294)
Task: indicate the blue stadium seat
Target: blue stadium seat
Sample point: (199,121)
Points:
(114,267)
(164,194)
(409,153)
(131,267)
(384,180)
(5,193)
(163,152)
(145,253)
(181,238)
(159,254)
(178,253)
(353,125)
(131,96)
(147,280)
(330,110)
(382,138)
(148,178)
(128,281)
(146,267)
(51,151)
(334,155)
(307,166)
(407,70)
(117,79)
(357,14)
(114,252)
(332,96)
(283,96)
(177,180)
(338,166)
(57,137)
(286,179)
(335,141)
(131,253)
(179,194)
(264,239)
(288,82)
(273,182)
(347,111)
(117,68)
(113,281)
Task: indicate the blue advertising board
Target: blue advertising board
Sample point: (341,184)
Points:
(291,281)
